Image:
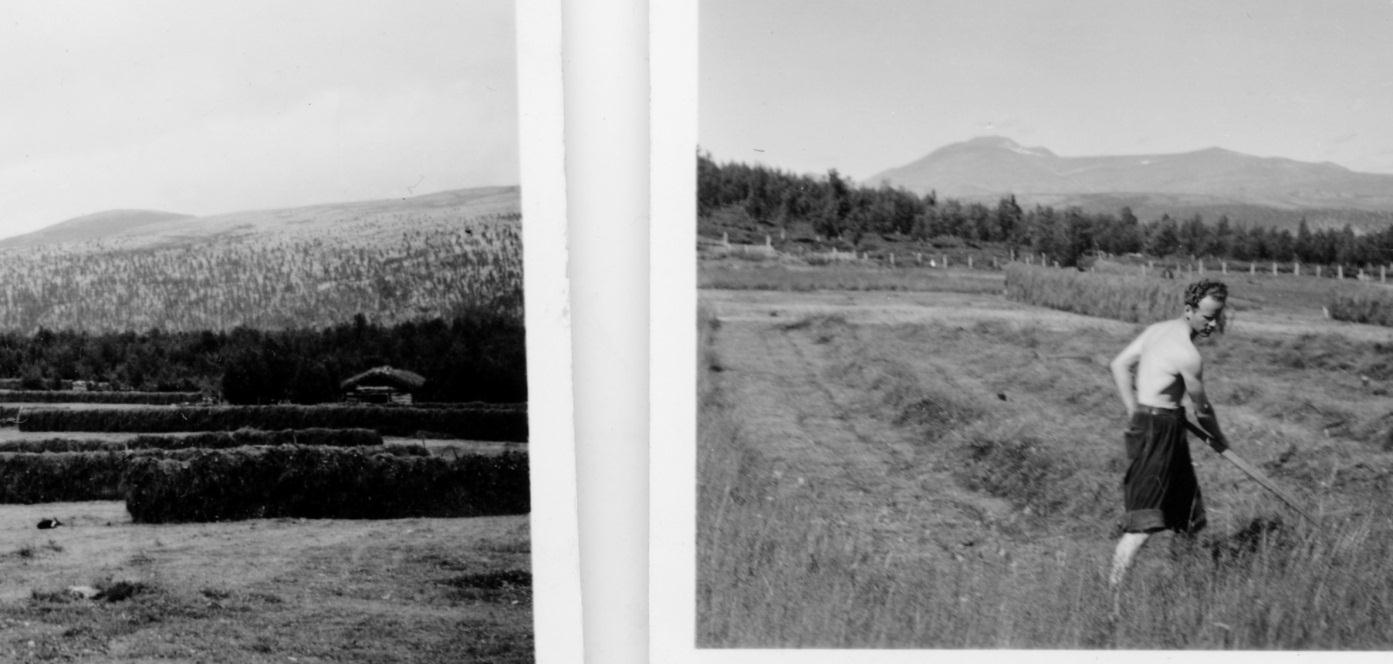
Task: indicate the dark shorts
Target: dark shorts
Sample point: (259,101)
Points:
(1160,491)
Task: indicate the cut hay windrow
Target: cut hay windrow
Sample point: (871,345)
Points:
(322,482)
(1373,305)
(67,396)
(207,440)
(48,477)
(471,424)
(1133,299)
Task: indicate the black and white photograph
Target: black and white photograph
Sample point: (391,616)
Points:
(1060,326)
(267,360)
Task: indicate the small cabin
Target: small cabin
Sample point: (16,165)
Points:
(382,385)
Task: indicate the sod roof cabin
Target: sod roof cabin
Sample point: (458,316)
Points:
(382,385)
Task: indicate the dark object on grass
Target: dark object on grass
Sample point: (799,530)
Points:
(121,591)
(1001,395)
(45,524)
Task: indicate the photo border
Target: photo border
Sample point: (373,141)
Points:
(556,606)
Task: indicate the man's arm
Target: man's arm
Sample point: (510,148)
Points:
(1192,372)
(1122,373)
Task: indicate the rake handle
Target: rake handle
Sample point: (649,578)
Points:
(1251,471)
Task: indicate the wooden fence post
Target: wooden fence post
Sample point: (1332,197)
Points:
(1274,268)
(1340,271)
(1296,268)
(969,262)
(892,260)
(1224,265)
(1318,270)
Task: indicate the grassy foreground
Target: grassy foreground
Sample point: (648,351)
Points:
(925,485)
(279,590)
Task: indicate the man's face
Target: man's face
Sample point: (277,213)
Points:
(1204,319)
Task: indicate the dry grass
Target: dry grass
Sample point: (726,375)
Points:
(1372,305)
(851,277)
(936,485)
(412,590)
(1129,298)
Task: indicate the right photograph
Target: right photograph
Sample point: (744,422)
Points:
(1050,325)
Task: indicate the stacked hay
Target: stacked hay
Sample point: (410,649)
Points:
(256,437)
(470,423)
(60,477)
(209,440)
(1133,299)
(322,482)
(63,445)
(69,396)
(1373,305)
(50,477)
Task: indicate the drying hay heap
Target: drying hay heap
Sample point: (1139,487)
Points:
(50,477)
(322,482)
(207,440)
(473,424)
(70,396)
(1129,298)
(60,477)
(1373,305)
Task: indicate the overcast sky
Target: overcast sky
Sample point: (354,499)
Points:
(210,107)
(808,85)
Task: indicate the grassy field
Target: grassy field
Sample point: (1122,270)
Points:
(264,590)
(909,468)
(408,590)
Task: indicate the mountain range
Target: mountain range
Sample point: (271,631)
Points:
(1209,182)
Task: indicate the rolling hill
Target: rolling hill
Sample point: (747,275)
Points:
(92,226)
(365,219)
(1209,182)
(394,260)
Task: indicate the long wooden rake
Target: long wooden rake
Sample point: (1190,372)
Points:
(1250,471)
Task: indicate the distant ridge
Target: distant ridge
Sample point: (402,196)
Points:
(987,167)
(147,227)
(92,227)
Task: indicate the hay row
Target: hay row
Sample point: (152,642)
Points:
(50,477)
(499,425)
(1132,299)
(1373,308)
(206,440)
(321,482)
(64,396)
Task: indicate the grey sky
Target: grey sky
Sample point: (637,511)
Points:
(208,107)
(808,85)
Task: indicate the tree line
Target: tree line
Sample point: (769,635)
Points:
(834,207)
(476,356)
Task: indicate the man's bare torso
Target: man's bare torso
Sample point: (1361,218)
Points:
(1165,348)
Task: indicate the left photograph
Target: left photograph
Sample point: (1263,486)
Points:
(264,357)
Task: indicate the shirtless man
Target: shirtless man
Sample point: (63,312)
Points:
(1160,491)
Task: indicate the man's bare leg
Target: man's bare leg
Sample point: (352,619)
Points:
(1127,548)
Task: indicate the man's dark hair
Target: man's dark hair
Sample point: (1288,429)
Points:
(1205,288)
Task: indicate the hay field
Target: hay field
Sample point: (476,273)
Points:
(276,590)
(890,469)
